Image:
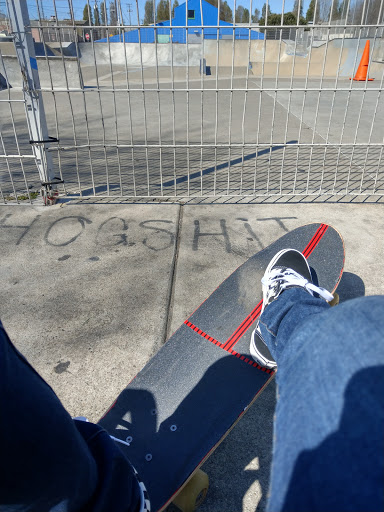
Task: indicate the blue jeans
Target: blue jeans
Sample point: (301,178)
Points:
(50,462)
(329,427)
(328,450)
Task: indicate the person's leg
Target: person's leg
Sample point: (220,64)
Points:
(329,442)
(50,462)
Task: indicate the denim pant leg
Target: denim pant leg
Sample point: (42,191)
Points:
(50,462)
(329,427)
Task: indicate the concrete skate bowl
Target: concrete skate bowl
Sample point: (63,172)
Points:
(340,58)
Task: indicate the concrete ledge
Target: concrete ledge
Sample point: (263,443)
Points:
(122,53)
(56,72)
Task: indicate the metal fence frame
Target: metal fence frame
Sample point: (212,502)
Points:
(45,145)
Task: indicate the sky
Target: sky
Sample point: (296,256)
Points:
(62,7)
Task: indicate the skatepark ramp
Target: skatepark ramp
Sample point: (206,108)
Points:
(214,116)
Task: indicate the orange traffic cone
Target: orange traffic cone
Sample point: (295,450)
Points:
(362,70)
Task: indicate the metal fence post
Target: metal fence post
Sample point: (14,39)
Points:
(37,124)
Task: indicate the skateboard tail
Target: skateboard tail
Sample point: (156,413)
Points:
(206,457)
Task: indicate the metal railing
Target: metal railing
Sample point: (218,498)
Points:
(194,107)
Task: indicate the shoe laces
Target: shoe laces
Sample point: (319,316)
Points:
(280,278)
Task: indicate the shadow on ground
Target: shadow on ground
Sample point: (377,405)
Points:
(247,464)
(351,286)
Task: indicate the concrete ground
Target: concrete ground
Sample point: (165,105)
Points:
(91,292)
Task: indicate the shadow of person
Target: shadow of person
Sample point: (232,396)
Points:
(174,416)
(240,468)
(345,472)
(131,418)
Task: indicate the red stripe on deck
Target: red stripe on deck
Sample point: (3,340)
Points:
(203,334)
(243,327)
(230,351)
(255,313)
(315,240)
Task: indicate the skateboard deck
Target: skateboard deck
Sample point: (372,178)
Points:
(187,398)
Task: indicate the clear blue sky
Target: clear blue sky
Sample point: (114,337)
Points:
(62,7)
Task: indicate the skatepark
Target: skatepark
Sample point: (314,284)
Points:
(293,164)
(133,120)
(339,57)
(172,180)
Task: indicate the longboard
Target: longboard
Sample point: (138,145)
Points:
(188,397)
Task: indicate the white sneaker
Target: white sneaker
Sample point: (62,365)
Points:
(287,269)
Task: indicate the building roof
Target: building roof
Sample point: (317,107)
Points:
(180,21)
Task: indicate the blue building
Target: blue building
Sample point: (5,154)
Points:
(206,16)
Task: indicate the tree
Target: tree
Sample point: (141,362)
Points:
(112,17)
(298,8)
(273,19)
(245,18)
(103,14)
(162,13)
(112,14)
(175,4)
(263,12)
(256,16)
(342,10)
(239,14)
(288,19)
(97,15)
(225,10)
(335,15)
(310,16)
(87,14)
(324,9)
(357,13)
(148,13)
(369,16)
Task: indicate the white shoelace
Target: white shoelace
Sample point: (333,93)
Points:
(291,278)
